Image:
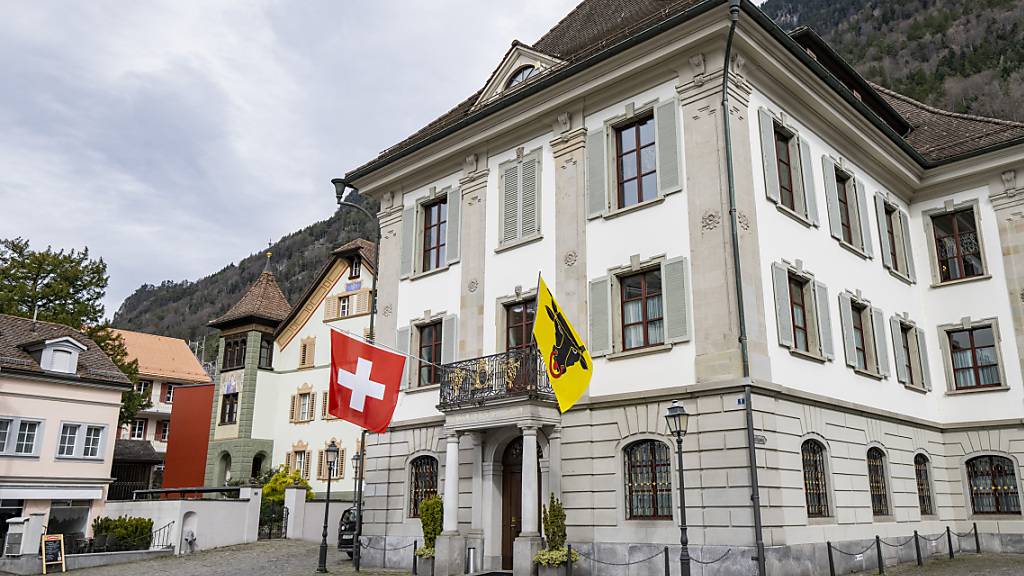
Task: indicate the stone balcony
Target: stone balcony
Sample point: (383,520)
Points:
(516,377)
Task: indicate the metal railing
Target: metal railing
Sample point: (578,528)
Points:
(228,492)
(512,374)
(915,539)
(161,537)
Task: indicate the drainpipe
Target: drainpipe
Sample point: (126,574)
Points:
(755,494)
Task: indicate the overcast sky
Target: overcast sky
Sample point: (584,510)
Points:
(174,137)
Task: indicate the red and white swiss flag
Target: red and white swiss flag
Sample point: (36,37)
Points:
(365,381)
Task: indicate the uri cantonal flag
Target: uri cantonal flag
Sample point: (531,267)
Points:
(365,380)
(567,359)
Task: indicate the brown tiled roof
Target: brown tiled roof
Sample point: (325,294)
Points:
(264,300)
(940,135)
(163,357)
(595,25)
(363,246)
(17,332)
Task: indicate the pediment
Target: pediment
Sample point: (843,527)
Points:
(519,57)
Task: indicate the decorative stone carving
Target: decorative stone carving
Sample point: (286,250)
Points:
(697,62)
(564,122)
(386,311)
(470,164)
(520,151)
(389,234)
(473,285)
(710,220)
(1010,182)
(571,257)
(744,221)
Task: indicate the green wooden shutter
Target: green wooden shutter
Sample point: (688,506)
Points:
(529,189)
(600,317)
(828,167)
(898,352)
(824,318)
(846,318)
(597,189)
(402,347)
(883,232)
(408,240)
(881,350)
(666,141)
(865,220)
(454,224)
(676,283)
(769,155)
(783,315)
(926,375)
(908,249)
(449,338)
(807,174)
(510,202)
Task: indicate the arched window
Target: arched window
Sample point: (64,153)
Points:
(423,471)
(648,480)
(815,479)
(993,485)
(521,75)
(876,481)
(924,486)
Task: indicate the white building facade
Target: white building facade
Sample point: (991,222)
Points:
(830,288)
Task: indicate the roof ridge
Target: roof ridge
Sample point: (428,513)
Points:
(940,111)
(47,322)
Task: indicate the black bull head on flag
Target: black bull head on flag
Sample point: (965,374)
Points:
(567,350)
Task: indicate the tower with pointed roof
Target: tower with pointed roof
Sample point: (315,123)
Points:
(246,348)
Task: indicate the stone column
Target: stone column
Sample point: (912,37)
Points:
(451,485)
(492,516)
(477,443)
(528,542)
(473,257)
(1007,195)
(555,462)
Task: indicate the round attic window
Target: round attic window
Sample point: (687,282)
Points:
(521,75)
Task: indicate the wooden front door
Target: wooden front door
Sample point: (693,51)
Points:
(511,499)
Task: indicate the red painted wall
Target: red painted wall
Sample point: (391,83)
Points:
(185,462)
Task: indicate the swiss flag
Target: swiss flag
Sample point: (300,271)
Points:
(365,381)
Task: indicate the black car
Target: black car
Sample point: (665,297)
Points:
(347,530)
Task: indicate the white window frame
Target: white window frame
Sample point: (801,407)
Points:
(63,449)
(131,429)
(79,448)
(99,443)
(344,306)
(305,409)
(11,443)
(169,394)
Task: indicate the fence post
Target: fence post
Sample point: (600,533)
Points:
(917,549)
(878,554)
(568,560)
(666,562)
(415,545)
(977,539)
(949,542)
(831,562)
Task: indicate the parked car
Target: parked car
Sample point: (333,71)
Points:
(347,530)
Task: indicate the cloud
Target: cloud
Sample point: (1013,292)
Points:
(174,137)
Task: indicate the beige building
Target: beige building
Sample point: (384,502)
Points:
(825,273)
(59,402)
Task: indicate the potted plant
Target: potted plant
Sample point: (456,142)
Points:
(431,516)
(555,556)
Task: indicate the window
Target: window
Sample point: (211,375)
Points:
(993,484)
(354,269)
(435,222)
(845,209)
(908,345)
(5,430)
(863,335)
(335,471)
(957,245)
(788,179)
(430,353)
(519,210)
(93,435)
(815,479)
(27,432)
(68,439)
(229,408)
(975,362)
(648,472)
(519,324)
(307,352)
(300,462)
(423,472)
(801,307)
(876,482)
(635,162)
(521,75)
(138,429)
(266,352)
(909,366)
(234,352)
(642,312)
(305,407)
(783,159)
(144,387)
(924,486)
(891,223)
(168,393)
(163,430)
(343,306)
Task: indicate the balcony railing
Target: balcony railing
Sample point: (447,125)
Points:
(512,374)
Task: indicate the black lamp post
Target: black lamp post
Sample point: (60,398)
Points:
(357,467)
(677,418)
(339,191)
(332,459)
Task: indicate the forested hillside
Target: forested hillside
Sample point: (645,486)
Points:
(182,309)
(960,55)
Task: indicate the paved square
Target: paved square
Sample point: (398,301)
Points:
(265,558)
(966,565)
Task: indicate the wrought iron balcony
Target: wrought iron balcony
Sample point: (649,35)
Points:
(477,381)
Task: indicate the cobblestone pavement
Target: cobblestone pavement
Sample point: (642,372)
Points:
(966,565)
(265,558)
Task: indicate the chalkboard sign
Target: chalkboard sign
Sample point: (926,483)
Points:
(53,551)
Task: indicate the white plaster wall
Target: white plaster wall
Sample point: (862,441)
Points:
(781,237)
(218,522)
(660,229)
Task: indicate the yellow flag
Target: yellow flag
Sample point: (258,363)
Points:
(566,357)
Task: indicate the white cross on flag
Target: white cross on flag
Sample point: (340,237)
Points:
(365,381)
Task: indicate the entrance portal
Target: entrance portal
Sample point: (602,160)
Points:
(512,497)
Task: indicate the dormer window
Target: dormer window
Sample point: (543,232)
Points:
(57,354)
(521,75)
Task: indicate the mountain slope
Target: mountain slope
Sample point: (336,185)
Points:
(182,309)
(960,55)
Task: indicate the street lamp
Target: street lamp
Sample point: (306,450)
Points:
(677,419)
(339,192)
(331,455)
(357,468)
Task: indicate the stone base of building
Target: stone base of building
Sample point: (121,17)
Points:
(450,555)
(236,456)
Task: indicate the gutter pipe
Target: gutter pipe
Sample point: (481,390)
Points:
(755,493)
